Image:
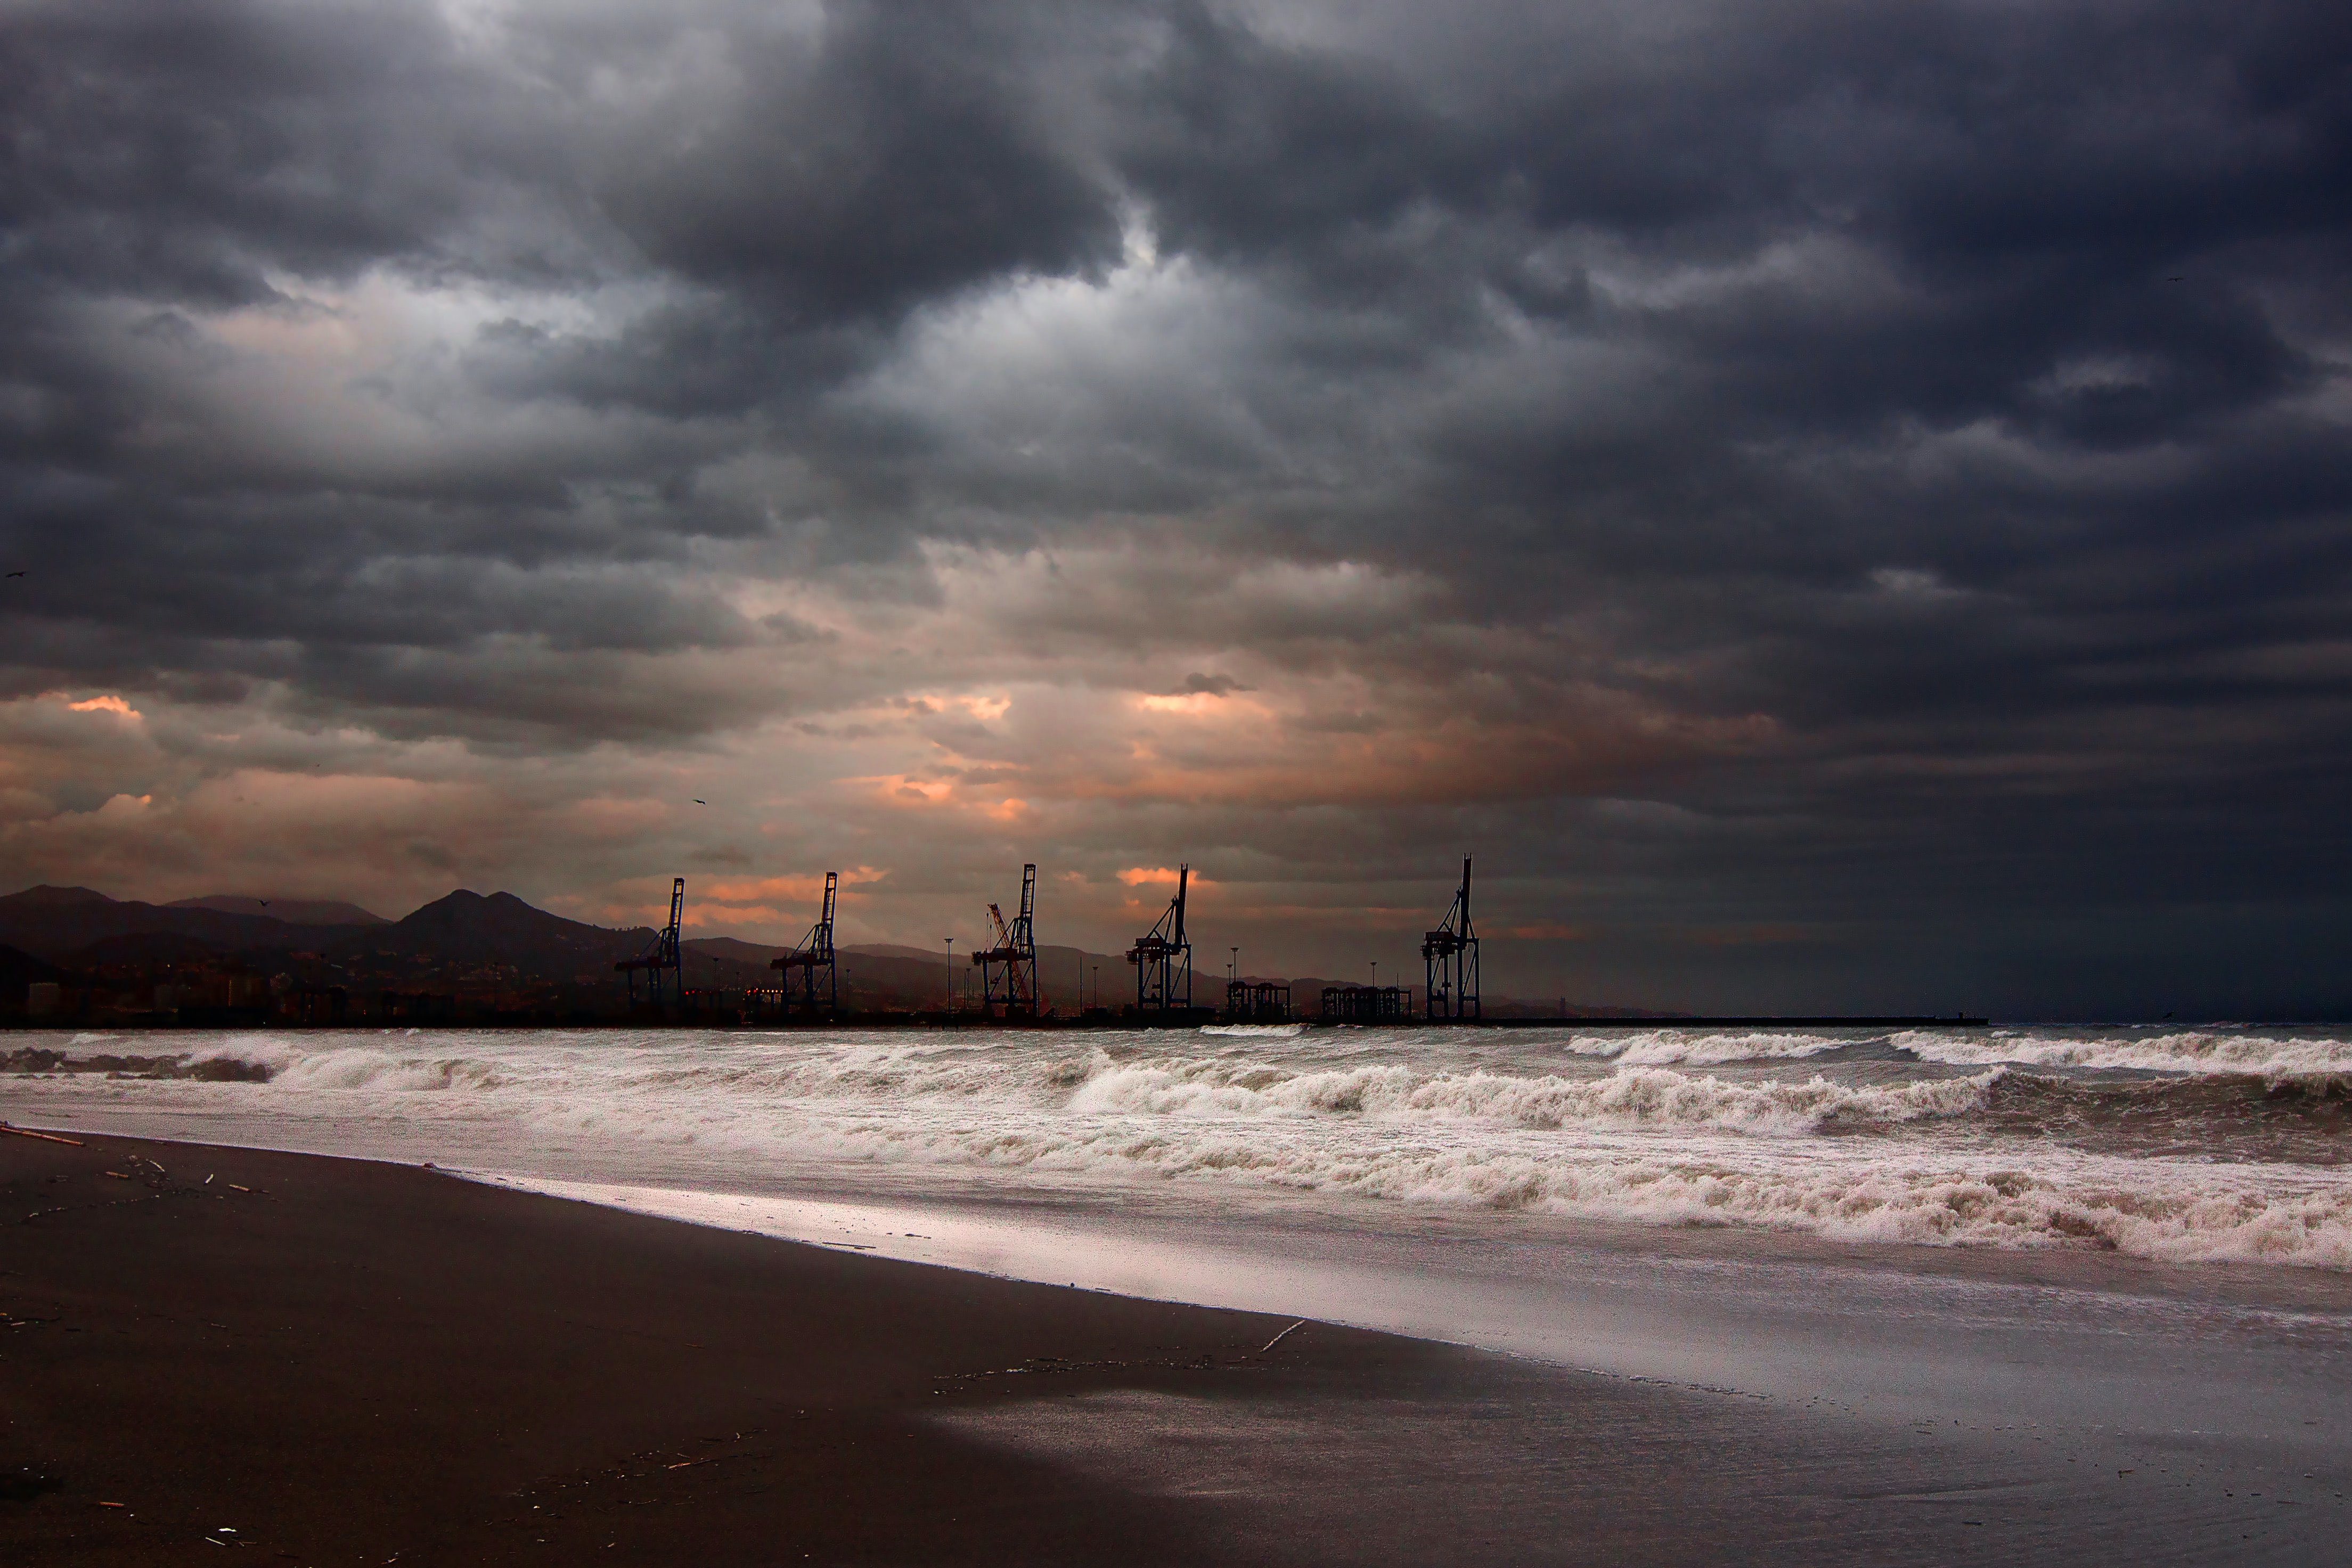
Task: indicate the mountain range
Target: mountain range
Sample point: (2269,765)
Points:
(78,928)
(293,911)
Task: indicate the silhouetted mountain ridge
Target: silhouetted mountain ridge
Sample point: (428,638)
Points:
(465,927)
(45,896)
(51,923)
(499,928)
(294,911)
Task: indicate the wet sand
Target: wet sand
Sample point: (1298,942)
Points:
(357,1362)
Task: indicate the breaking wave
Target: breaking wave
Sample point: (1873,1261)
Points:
(259,1059)
(1668,1048)
(2201,1051)
(2231,1149)
(2177,1211)
(1655,1096)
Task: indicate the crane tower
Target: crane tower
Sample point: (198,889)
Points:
(662,957)
(1008,970)
(1451,952)
(1163,959)
(815,955)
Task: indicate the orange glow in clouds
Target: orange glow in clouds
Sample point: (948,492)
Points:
(786,890)
(1137,876)
(897,789)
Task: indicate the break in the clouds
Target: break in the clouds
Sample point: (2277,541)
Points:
(1839,505)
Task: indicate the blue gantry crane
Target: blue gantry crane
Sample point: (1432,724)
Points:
(814,956)
(1163,960)
(662,958)
(1008,970)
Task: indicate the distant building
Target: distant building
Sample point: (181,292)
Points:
(1257,1002)
(1367,1003)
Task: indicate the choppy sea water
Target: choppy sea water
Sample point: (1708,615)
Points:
(2184,1145)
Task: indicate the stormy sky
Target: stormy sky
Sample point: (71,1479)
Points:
(1840,506)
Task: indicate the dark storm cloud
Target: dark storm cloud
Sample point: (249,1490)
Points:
(782,191)
(1201,685)
(1956,391)
(182,152)
(903,159)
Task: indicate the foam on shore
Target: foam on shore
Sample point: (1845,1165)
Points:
(1971,1150)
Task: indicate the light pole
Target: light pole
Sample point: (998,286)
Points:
(1376,975)
(950,1006)
(1098,984)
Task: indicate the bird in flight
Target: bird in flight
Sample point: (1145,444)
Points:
(702,803)
(15,574)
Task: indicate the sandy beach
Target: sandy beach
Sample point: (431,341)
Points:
(339,1360)
(327,1361)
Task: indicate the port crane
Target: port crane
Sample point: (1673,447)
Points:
(1163,959)
(815,955)
(1008,970)
(1451,955)
(662,957)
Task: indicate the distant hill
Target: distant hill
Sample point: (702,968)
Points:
(142,948)
(88,928)
(294,911)
(16,964)
(734,950)
(1067,977)
(502,928)
(47,897)
(19,970)
(896,950)
(51,923)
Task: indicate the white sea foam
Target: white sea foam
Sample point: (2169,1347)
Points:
(1668,1048)
(1640,1096)
(2207,1052)
(271,1054)
(1090,1081)
(378,1070)
(1425,1117)
(2174,1212)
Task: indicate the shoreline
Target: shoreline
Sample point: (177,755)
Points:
(2269,1286)
(361,1359)
(2286,1285)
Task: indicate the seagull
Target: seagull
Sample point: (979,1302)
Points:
(702,803)
(15,574)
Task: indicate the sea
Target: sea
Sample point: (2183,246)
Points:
(2220,1143)
(2140,1232)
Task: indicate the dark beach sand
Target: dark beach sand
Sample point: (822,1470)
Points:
(358,1362)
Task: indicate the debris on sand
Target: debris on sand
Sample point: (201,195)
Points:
(44,1137)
